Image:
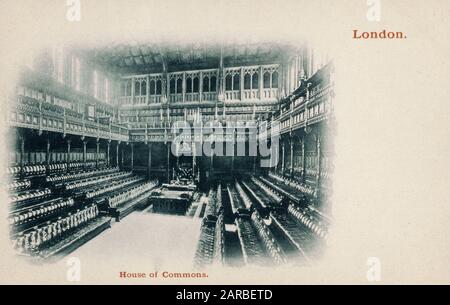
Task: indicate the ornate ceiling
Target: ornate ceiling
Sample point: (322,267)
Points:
(142,58)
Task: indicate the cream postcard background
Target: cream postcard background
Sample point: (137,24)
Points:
(391,183)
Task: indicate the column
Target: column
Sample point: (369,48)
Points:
(319,161)
(132,90)
(282,158)
(149,159)
(84,153)
(232,156)
(47,153)
(167,87)
(22,149)
(183,90)
(132,156)
(68,152)
(260,83)
(241,83)
(97,152)
(200,88)
(117,153)
(168,162)
(193,157)
(211,161)
(292,156)
(147,96)
(121,161)
(303,159)
(108,147)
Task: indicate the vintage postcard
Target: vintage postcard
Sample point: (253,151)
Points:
(224,142)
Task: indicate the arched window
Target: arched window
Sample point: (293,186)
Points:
(266,80)
(188,85)
(137,88)
(152,87)
(255,81)
(196,84)
(179,85)
(206,84)
(228,83)
(158,87)
(275,79)
(247,81)
(213,84)
(172,85)
(144,87)
(236,82)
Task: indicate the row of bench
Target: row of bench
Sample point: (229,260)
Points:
(66,212)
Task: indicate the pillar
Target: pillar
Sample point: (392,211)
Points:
(211,164)
(200,87)
(183,87)
(84,152)
(241,83)
(193,157)
(292,156)
(47,153)
(22,149)
(260,83)
(97,152)
(303,159)
(117,154)
(121,157)
(149,159)
(168,162)
(132,90)
(147,90)
(282,158)
(132,156)
(108,147)
(232,156)
(68,152)
(319,161)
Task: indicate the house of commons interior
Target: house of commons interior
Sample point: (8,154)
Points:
(91,149)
